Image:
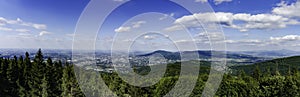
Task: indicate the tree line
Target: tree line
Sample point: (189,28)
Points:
(25,77)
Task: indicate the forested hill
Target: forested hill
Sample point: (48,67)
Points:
(25,77)
(283,65)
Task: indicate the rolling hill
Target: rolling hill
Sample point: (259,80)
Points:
(232,57)
(280,64)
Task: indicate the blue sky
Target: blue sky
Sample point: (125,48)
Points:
(247,24)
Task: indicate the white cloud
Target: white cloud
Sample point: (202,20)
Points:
(18,21)
(166,16)
(262,21)
(138,24)
(22,30)
(217,2)
(184,41)
(5,29)
(252,41)
(149,37)
(14,30)
(291,10)
(295,45)
(173,28)
(123,29)
(191,21)
(25,35)
(240,21)
(209,37)
(230,41)
(286,38)
(44,33)
(2,21)
(245,42)
(39,26)
(202,1)
(70,35)
(120,0)
(206,17)
(204,38)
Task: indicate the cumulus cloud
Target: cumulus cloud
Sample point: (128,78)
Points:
(128,28)
(240,21)
(138,24)
(14,30)
(25,35)
(249,41)
(184,41)
(202,1)
(18,21)
(291,10)
(123,29)
(149,37)
(253,43)
(206,17)
(204,38)
(166,16)
(39,26)
(286,38)
(22,30)
(5,29)
(70,35)
(2,21)
(209,37)
(295,45)
(217,2)
(120,0)
(173,28)
(262,21)
(44,33)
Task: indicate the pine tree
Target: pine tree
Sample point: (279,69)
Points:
(49,77)
(37,73)
(69,82)
(242,74)
(289,72)
(21,78)
(75,89)
(256,73)
(57,79)
(268,72)
(277,73)
(65,82)
(3,86)
(12,77)
(27,74)
(45,87)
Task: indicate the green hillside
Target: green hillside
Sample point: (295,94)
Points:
(19,77)
(283,65)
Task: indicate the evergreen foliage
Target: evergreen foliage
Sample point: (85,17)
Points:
(43,77)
